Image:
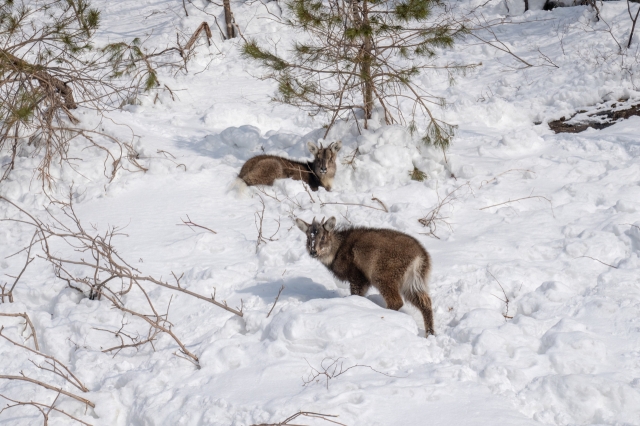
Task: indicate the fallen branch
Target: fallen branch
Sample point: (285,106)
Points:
(50,387)
(204,27)
(305,414)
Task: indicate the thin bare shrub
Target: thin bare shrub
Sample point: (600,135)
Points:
(27,323)
(436,216)
(331,368)
(92,266)
(51,364)
(259,222)
(362,55)
(44,409)
(50,67)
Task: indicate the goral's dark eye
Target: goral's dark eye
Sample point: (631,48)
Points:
(322,239)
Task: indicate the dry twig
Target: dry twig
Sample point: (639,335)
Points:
(44,409)
(505,300)
(259,218)
(435,217)
(50,387)
(520,199)
(9,293)
(330,368)
(136,341)
(275,301)
(351,158)
(597,260)
(203,28)
(384,207)
(192,224)
(326,417)
(27,323)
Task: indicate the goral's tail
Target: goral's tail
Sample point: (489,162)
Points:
(415,289)
(240,188)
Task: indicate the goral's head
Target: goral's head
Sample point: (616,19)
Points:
(321,239)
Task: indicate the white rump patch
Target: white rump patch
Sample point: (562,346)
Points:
(240,188)
(413,282)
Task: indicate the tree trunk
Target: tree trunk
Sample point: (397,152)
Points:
(228,17)
(366,74)
(634,20)
(526,5)
(362,17)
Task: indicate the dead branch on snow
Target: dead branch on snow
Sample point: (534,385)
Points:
(325,417)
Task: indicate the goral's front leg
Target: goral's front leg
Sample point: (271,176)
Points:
(359,287)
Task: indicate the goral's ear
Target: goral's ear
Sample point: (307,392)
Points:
(336,146)
(330,224)
(313,148)
(304,226)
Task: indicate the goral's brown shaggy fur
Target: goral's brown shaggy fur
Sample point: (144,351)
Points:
(394,263)
(265,169)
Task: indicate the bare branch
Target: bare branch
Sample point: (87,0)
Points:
(275,301)
(382,208)
(325,417)
(27,323)
(27,262)
(191,224)
(597,260)
(50,387)
(41,408)
(68,376)
(520,199)
(505,300)
(258,219)
(330,368)
(435,217)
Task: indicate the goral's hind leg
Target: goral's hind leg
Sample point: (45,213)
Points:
(387,283)
(391,296)
(422,301)
(263,172)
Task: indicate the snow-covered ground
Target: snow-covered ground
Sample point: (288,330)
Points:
(566,255)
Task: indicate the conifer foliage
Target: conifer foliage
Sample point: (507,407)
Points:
(49,67)
(361,55)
